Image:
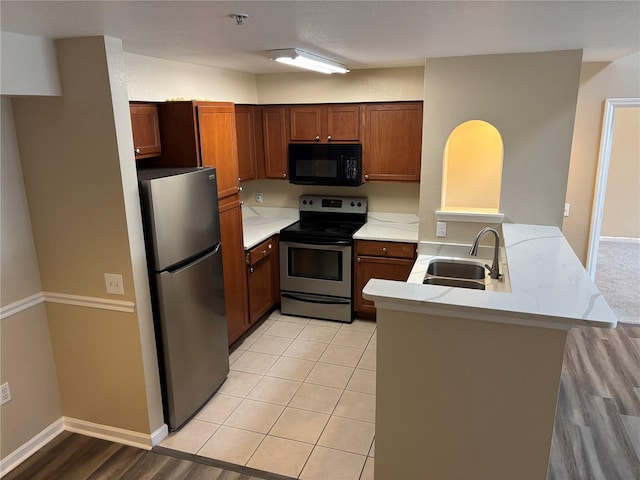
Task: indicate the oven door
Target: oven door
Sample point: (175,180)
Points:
(316,268)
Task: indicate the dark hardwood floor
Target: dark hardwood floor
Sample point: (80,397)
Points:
(597,428)
(77,457)
(596,435)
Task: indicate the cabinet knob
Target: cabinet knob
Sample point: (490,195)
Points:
(284,175)
(329,138)
(239,189)
(358,260)
(384,249)
(241,203)
(136,151)
(317,138)
(250,269)
(366,177)
(264,252)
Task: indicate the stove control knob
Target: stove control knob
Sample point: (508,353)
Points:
(353,204)
(304,202)
(359,204)
(310,202)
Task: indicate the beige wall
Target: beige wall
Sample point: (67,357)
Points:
(154,79)
(598,81)
(621,216)
(26,357)
(531,99)
(381,84)
(392,197)
(78,208)
(28,65)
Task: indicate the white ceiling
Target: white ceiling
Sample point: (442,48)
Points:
(361,34)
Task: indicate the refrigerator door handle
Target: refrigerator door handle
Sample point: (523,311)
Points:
(180,267)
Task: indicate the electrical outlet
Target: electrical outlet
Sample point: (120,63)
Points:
(441,229)
(567,208)
(5,393)
(259,198)
(114,284)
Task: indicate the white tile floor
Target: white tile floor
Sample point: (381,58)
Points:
(299,401)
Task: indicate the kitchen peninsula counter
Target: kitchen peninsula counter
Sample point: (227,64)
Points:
(480,369)
(549,286)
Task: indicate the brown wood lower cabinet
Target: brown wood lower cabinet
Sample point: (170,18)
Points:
(235,279)
(386,260)
(262,265)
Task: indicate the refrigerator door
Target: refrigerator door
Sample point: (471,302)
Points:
(181,213)
(193,326)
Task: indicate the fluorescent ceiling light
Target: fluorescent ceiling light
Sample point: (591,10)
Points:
(310,61)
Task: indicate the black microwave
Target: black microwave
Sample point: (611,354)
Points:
(325,164)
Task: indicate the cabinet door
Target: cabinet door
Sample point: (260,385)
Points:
(367,268)
(343,122)
(146,132)
(218,146)
(246,142)
(260,280)
(392,144)
(234,267)
(275,142)
(306,123)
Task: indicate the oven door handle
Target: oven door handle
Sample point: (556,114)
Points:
(314,299)
(301,241)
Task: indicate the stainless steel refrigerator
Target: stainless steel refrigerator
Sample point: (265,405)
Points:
(184,254)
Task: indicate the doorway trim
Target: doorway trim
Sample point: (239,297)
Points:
(604,159)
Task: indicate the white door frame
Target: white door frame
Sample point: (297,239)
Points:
(604,158)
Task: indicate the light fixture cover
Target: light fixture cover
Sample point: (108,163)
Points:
(310,61)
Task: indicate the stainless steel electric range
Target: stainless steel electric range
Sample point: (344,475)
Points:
(316,268)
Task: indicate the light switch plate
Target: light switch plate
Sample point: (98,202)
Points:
(567,208)
(113,282)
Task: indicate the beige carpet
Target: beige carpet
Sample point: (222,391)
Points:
(618,278)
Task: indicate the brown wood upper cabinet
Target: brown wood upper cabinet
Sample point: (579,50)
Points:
(246,136)
(325,123)
(274,130)
(392,143)
(146,132)
(201,134)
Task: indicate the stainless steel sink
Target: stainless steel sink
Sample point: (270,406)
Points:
(455,282)
(455,273)
(444,268)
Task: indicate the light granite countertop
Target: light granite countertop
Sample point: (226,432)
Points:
(261,223)
(390,227)
(549,286)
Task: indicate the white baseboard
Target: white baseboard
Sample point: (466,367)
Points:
(620,239)
(104,432)
(23,452)
(159,435)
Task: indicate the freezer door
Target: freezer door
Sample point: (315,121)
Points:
(181,215)
(193,328)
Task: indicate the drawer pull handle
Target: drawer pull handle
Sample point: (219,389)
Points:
(359,260)
(250,269)
(384,249)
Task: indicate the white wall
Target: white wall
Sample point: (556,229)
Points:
(28,65)
(598,81)
(531,99)
(26,357)
(157,80)
(369,85)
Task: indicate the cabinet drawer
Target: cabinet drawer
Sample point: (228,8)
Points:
(386,249)
(259,252)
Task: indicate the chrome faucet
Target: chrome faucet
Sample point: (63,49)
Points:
(494,270)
